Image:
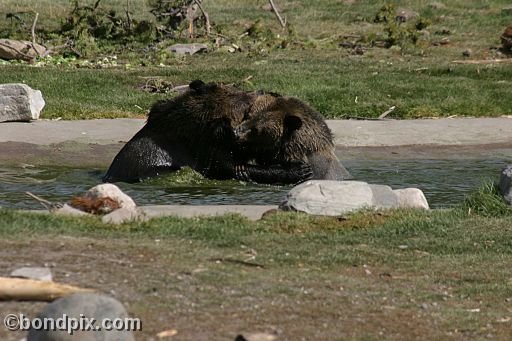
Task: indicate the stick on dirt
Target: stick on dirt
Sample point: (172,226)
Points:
(22,289)
(281,21)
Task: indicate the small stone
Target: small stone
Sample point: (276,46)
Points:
(37,273)
(20,50)
(90,306)
(183,49)
(113,192)
(404,15)
(256,337)
(467,53)
(437,5)
(122,215)
(506,39)
(411,198)
(19,102)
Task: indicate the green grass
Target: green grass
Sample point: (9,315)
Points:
(420,82)
(438,264)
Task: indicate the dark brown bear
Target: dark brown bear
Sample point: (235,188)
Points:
(195,129)
(285,130)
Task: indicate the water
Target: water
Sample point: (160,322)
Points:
(444,182)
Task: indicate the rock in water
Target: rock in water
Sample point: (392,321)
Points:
(78,307)
(19,102)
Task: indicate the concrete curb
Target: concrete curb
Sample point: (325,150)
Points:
(347,133)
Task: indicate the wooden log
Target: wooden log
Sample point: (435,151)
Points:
(22,289)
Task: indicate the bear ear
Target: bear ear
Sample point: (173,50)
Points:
(292,122)
(196,84)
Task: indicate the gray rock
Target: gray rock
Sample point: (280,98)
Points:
(19,102)
(37,273)
(335,198)
(251,212)
(411,198)
(82,306)
(383,196)
(20,49)
(188,48)
(404,14)
(68,210)
(506,184)
(122,215)
(113,192)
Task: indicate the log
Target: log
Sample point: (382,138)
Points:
(22,289)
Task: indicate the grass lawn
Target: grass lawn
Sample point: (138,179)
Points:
(421,81)
(397,275)
(394,275)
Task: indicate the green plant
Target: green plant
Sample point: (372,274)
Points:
(400,33)
(486,201)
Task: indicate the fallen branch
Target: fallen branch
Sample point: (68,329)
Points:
(33,31)
(486,61)
(387,112)
(22,289)
(276,12)
(205,15)
(47,204)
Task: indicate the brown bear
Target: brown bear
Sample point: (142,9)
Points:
(195,129)
(285,130)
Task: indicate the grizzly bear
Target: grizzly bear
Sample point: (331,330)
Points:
(195,129)
(285,130)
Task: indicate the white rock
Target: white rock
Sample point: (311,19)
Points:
(113,192)
(411,198)
(38,273)
(19,102)
(122,215)
(188,48)
(334,198)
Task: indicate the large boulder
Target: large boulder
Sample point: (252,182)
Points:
(20,50)
(19,102)
(335,198)
(78,307)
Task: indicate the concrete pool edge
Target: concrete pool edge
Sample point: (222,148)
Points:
(251,212)
(94,143)
(347,133)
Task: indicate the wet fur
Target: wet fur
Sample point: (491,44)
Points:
(285,129)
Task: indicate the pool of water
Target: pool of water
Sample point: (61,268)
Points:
(444,182)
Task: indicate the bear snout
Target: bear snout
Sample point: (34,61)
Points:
(241,132)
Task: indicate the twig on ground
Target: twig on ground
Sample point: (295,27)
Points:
(485,61)
(276,12)
(387,112)
(33,31)
(205,15)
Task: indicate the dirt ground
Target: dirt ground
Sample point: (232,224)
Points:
(205,296)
